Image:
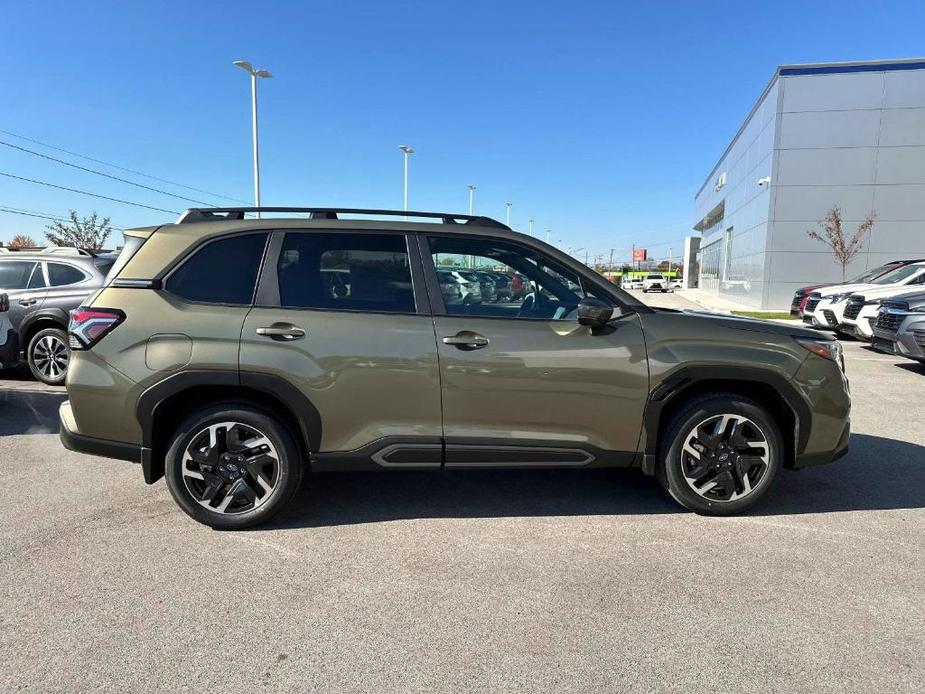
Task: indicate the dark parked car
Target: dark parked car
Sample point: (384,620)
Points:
(42,288)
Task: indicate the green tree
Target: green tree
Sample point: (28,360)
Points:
(90,232)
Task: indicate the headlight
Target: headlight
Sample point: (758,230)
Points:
(835,298)
(829,349)
(873,302)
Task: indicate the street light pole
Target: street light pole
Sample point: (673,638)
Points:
(507,215)
(408,151)
(254,73)
(547,235)
(531,227)
(471,199)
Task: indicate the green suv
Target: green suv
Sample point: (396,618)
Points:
(232,355)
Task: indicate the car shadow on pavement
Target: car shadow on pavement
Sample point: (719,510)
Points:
(914,367)
(29,411)
(877,474)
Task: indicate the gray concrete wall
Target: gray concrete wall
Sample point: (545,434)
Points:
(855,140)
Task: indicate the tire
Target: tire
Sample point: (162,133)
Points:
(724,488)
(48,356)
(201,488)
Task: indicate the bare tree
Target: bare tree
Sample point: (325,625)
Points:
(833,235)
(22,241)
(90,232)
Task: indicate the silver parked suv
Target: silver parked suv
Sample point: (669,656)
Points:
(900,327)
(42,288)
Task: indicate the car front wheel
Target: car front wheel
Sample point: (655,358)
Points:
(721,454)
(231,466)
(48,356)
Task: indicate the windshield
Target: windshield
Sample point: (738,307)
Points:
(866,277)
(898,275)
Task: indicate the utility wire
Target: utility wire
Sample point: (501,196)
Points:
(106,175)
(83,192)
(122,168)
(41,215)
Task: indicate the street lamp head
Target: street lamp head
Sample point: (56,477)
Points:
(471,187)
(508,204)
(406,149)
(248,68)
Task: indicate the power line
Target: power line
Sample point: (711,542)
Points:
(106,175)
(42,215)
(83,192)
(122,168)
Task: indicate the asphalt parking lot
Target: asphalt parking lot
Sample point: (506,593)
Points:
(533,581)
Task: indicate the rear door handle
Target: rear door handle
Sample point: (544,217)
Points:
(466,340)
(282,331)
(27,302)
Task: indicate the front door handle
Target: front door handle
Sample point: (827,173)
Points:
(282,332)
(466,340)
(27,302)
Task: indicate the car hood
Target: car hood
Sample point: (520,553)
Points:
(890,291)
(725,320)
(847,288)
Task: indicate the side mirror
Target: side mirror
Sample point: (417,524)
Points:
(594,312)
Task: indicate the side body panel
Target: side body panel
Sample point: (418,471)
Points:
(370,376)
(684,348)
(537,381)
(159,336)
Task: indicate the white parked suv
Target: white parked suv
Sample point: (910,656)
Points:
(655,283)
(826,305)
(861,308)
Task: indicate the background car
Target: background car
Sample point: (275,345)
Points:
(832,298)
(42,288)
(631,283)
(861,310)
(655,283)
(900,327)
(457,289)
(9,345)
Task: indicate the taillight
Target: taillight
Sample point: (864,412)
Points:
(90,325)
(4,303)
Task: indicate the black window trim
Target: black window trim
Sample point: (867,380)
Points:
(436,295)
(267,295)
(163,278)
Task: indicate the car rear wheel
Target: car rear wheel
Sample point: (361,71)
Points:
(48,356)
(721,454)
(232,467)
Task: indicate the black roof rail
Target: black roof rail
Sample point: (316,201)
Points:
(209,214)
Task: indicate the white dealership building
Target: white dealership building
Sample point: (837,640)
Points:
(850,135)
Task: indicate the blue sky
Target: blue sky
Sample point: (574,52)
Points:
(597,119)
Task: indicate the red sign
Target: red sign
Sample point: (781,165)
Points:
(639,255)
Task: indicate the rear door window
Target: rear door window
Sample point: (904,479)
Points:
(346,272)
(221,272)
(14,274)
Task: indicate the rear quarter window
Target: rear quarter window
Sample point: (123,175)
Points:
(60,274)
